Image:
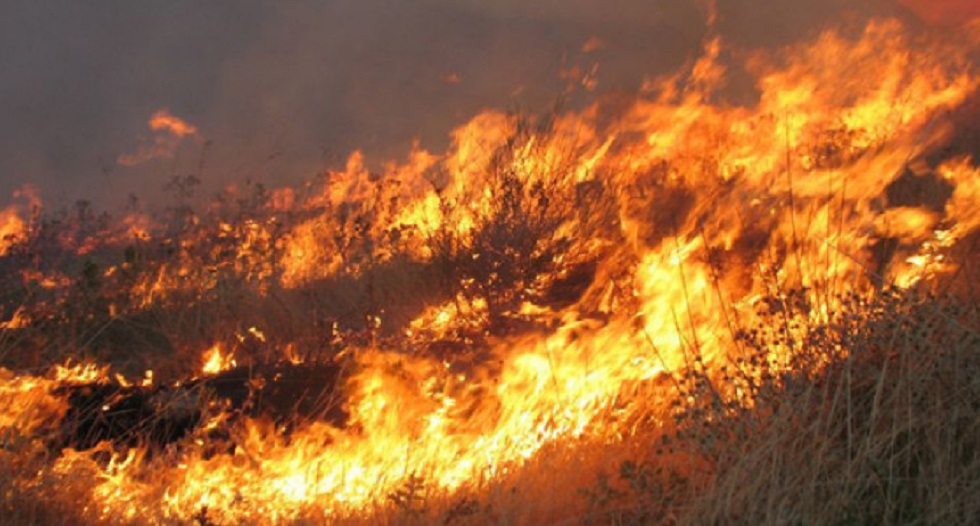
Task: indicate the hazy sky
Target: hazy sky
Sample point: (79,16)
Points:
(284,88)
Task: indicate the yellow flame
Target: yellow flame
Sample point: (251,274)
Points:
(216,360)
(692,213)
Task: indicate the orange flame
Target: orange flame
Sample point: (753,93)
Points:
(216,361)
(15,217)
(170,131)
(686,213)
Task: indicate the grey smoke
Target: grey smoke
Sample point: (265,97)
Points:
(283,89)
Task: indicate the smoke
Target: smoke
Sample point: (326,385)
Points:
(277,91)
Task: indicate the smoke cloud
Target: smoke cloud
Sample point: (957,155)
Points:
(277,91)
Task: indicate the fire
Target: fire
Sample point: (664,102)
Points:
(15,218)
(572,271)
(11,228)
(80,373)
(216,361)
(162,120)
(169,130)
(27,404)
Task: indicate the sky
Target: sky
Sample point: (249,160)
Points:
(279,90)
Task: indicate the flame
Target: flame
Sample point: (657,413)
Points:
(14,219)
(581,265)
(169,130)
(12,227)
(216,361)
(80,373)
(20,320)
(27,404)
(162,120)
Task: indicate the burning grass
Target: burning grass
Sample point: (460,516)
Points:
(675,310)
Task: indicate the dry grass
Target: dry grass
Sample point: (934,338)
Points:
(887,433)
